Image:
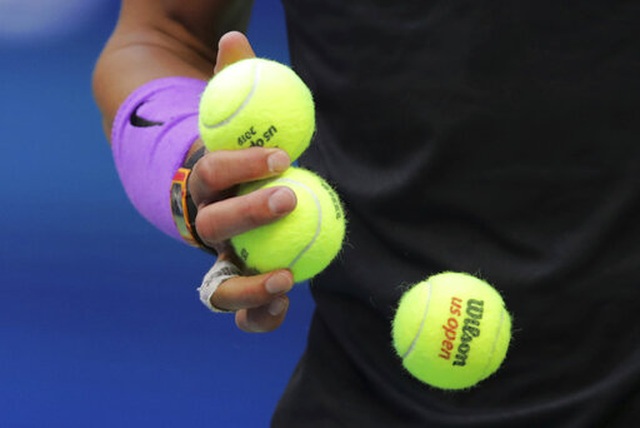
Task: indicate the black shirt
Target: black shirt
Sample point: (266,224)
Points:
(499,138)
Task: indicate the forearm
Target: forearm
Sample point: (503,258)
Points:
(160,38)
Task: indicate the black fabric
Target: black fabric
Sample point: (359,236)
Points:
(499,138)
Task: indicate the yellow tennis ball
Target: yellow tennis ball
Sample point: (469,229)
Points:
(257,102)
(451,330)
(307,239)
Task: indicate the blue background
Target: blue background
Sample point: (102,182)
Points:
(100,324)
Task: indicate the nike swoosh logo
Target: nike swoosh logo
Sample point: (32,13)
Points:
(141,122)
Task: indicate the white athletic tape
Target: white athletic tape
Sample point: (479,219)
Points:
(219,272)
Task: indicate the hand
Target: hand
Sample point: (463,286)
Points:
(260,301)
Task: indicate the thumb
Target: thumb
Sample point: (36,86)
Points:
(232,47)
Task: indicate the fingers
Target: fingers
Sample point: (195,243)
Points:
(230,217)
(232,47)
(259,301)
(217,172)
(245,292)
(213,180)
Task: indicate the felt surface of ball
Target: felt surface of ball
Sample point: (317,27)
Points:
(307,239)
(451,330)
(257,102)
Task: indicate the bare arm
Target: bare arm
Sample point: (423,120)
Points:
(160,38)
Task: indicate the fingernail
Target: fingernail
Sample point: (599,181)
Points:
(278,283)
(277,306)
(278,161)
(282,201)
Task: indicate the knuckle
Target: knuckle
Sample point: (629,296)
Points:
(206,227)
(207,172)
(255,209)
(253,297)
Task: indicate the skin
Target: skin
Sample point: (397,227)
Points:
(161,38)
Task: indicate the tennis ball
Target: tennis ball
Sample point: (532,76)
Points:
(257,102)
(451,330)
(304,241)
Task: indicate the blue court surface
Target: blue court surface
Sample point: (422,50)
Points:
(100,323)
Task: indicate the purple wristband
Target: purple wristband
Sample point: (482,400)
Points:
(152,133)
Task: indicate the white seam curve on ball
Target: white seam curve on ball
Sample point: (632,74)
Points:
(244,103)
(318,223)
(422,323)
(495,345)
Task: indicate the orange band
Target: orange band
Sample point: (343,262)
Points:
(180,208)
